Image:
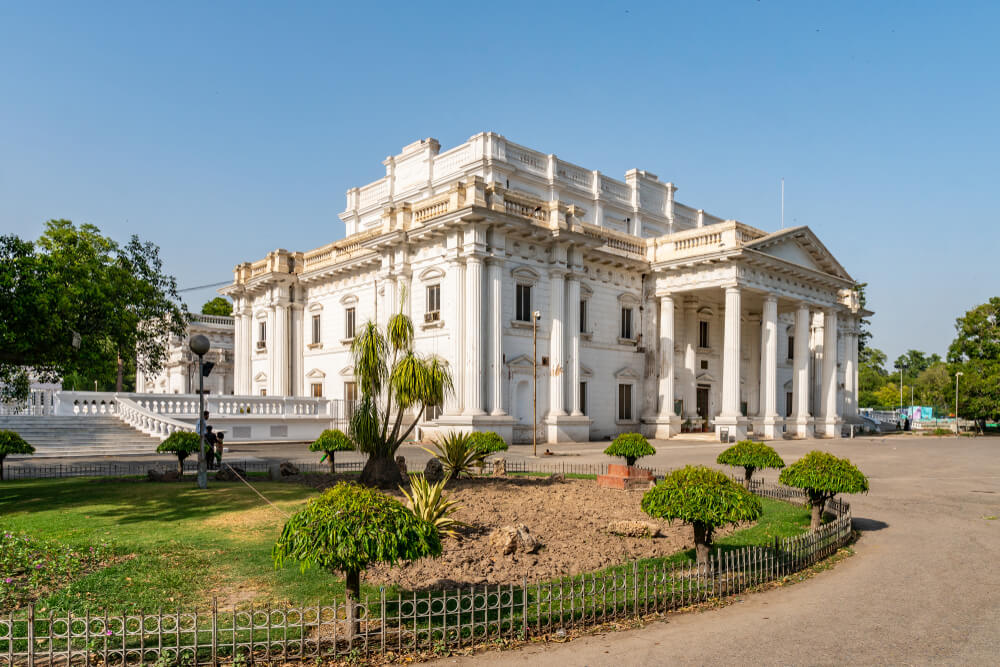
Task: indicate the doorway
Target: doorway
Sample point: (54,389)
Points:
(702,403)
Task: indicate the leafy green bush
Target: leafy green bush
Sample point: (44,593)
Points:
(182,444)
(329,442)
(822,476)
(349,527)
(428,503)
(487,442)
(457,455)
(12,443)
(750,456)
(32,567)
(630,446)
(704,498)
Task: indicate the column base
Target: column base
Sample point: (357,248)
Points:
(567,428)
(831,428)
(662,427)
(501,425)
(735,426)
(769,428)
(801,427)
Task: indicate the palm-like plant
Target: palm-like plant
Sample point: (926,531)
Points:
(391,388)
(428,503)
(458,454)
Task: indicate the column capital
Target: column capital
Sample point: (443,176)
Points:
(495,260)
(557,272)
(664,298)
(771,298)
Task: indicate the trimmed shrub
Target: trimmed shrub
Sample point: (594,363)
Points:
(630,446)
(457,455)
(12,443)
(428,503)
(822,476)
(330,442)
(182,444)
(704,498)
(487,442)
(750,456)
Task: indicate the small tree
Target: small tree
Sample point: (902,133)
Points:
(12,443)
(330,442)
(630,446)
(349,527)
(704,498)
(822,476)
(751,456)
(181,444)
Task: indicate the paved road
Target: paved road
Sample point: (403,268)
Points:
(923,588)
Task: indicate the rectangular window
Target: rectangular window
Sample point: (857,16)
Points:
(583,397)
(261,335)
(349,320)
(316,331)
(350,399)
(791,347)
(703,334)
(433,313)
(624,402)
(626,323)
(522,310)
(263,392)
(583,317)
(317,389)
(432,412)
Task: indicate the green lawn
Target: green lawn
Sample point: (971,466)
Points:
(176,545)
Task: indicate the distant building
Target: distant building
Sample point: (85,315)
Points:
(654,316)
(180,371)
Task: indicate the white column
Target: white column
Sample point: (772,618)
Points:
(573,284)
(474,336)
(246,355)
(731,355)
(753,371)
(830,416)
(271,348)
(279,353)
(557,360)
(666,357)
(296,383)
(800,377)
(769,367)
(495,269)
(456,325)
(851,374)
(237,349)
(690,377)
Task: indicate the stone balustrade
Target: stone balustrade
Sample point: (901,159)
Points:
(150,423)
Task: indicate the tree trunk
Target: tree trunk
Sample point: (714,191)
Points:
(702,541)
(118,378)
(630,461)
(333,468)
(353,585)
(817,513)
(748,470)
(381,472)
(2,457)
(180,465)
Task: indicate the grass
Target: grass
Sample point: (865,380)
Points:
(173,545)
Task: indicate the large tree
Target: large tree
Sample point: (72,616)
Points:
(77,302)
(393,381)
(976,352)
(217,306)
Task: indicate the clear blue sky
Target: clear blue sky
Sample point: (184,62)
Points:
(221,131)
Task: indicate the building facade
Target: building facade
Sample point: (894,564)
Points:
(607,305)
(179,374)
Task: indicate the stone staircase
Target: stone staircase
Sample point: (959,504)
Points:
(97,435)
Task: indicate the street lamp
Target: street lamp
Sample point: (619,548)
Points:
(958,374)
(535,316)
(199,345)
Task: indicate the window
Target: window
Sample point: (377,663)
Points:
(703,334)
(350,398)
(624,402)
(522,311)
(316,337)
(317,390)
(433,313)
(349,319)
(791,347)
(583,397)
(261,335)
(432,412)
(583,316)
(263,392)
(626,323)
(704,364)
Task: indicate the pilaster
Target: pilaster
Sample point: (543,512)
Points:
(802,421)
(667,420)
(495,271)
(770,422)
(474,337)
(831,419)
(730,417)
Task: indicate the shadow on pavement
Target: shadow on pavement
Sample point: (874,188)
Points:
(868,525)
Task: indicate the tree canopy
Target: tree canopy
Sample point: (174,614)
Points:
(822,476)
(976,353)
(630,446)
(181,444)
(217,306)
(750,456)
(329,442)
(11,442)
(77,302)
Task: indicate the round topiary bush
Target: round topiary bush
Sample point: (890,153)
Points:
(630,446)
(704,498)
(12,443)
(329,442)
(182,444)
(487,442)
(822,476)
(348,528)
(750,456)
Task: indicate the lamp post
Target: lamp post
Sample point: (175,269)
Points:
(199,345)
(535,316)
(958,374)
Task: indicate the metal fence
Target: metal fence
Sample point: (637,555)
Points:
(416,622)
(140,468)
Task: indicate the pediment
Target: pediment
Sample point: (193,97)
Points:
(705,376)
(788,386)
(315,373)
(260,377)
(799,245)
(628,373)
(521,362)
(585,372)
(347,371)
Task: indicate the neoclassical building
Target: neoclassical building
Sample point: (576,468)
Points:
(179,374)
(643,313)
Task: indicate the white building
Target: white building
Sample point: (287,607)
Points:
(179,374)
(654,315)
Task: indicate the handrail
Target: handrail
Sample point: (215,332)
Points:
(150,423)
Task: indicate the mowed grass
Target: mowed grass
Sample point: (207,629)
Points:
(185,546)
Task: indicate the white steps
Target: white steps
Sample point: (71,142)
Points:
(104,435)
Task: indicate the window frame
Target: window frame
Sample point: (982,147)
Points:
(626,323)
(313,387)
(704,335)
(625,409)
(520,290)
(350,322)
(317,329)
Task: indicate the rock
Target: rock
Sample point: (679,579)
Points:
(401,464)
(557,478)
(634,528)
(509,540)
(287,469)
(229,474)
(500,467)
(433,471)
(163,476)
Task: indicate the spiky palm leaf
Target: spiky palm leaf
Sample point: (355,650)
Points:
(428,503)
(370,349)
(457,454)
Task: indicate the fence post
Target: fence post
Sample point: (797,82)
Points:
(635,588)
(215,630)
(381,595)
(31,634)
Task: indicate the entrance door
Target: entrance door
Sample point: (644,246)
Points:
(702,402)
(788,404)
